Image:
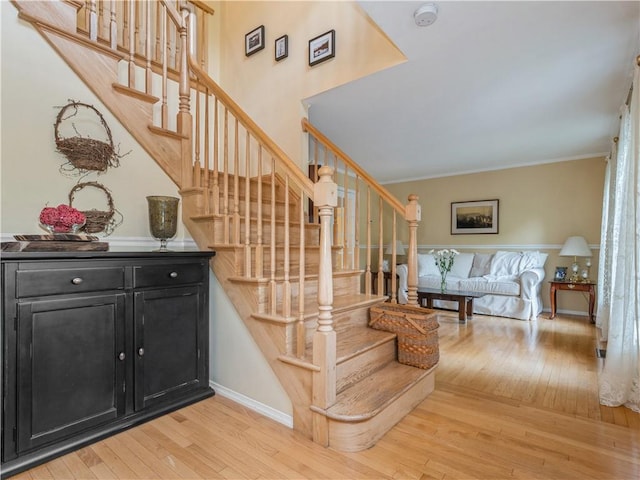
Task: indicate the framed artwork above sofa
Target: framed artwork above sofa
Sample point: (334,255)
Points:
(478,216)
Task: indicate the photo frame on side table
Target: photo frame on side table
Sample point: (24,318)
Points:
(561,274)
(282,48)
(254,41)
(322,48)
(478,216)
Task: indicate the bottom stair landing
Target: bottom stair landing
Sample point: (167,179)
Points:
(364,412)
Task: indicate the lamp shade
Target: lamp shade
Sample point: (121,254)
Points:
(399,248)
(575,247)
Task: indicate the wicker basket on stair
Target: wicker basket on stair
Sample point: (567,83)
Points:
(416,329)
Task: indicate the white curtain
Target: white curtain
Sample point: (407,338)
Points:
(620,377)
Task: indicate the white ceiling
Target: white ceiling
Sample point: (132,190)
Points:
(489,85)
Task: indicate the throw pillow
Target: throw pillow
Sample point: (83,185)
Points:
(427,265)
(505,264)
(481,265)
(462,265)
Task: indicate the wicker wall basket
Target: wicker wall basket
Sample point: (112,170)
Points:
(416,328)
(98,220)
(84,153)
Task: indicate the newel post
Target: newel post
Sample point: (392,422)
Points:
(413,214)
(185,120)
(325,197)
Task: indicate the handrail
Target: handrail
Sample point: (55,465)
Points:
(379,189)
(259,134)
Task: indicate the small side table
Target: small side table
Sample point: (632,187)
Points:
(573,287)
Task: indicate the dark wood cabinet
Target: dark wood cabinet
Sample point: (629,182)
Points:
(97,342)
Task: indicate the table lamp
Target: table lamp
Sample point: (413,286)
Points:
(575,247)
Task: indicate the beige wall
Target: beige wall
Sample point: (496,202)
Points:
(540,206)
(273,93)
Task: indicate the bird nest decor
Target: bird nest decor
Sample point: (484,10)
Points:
(84,154)
(98,220)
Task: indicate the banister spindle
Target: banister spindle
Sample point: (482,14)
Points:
(273,301)
(236,187)
(300,328)
(259,241)
(113,26)
(367,273)
(225,179)
(380,286)
(247,207)
(286,286)
(93,20)
(413,216)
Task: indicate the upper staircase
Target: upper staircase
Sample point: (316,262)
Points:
(293,253)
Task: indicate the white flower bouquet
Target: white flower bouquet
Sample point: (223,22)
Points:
(444,261)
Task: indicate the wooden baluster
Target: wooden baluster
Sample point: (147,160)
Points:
(184,122)
(313,213)
(301,338)
(273,297)
(413,216)
(247,209)
(164,109)
(286,286)
(126,10)
(198,171)
(367,272)
(259,244)
(394,237)
(355,264)
(147,50)
(207,148)
(324,338)
(380,287)
(225,180)
(132,50)
(137,24)
(93,21)
(236,188)
(159,29)
(113,26)
(215,189)
(345,218)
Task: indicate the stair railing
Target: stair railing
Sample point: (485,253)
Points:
(362,197)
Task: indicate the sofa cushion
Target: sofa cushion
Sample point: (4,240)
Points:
(462,265)
(481,265)
(532,260)
(505,264)
(427,265)
(495,286)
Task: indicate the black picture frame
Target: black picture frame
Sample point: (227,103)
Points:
(281,48)
(254,41)
(322,48)
(474,217)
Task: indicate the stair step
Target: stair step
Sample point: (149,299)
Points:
(132,92)
(371,395)
(166,133)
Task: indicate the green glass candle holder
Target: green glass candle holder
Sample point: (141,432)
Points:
(163,218)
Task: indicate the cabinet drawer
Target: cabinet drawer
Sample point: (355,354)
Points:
(167,275)
(32,283)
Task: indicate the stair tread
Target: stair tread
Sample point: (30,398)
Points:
(278,221)
(372,394)
(356,339)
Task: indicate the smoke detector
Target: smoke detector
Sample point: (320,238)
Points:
(426,14)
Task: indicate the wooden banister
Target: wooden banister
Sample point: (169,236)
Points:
(377,188)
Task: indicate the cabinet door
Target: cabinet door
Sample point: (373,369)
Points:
(170,332)
(70,366)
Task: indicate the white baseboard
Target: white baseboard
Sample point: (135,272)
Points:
(261,408)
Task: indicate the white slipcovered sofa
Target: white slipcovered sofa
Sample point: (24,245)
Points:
(511,281)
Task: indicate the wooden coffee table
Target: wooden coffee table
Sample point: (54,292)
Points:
(426,296)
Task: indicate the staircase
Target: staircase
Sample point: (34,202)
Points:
(292,254)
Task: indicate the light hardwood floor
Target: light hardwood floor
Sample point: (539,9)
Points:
(513,399)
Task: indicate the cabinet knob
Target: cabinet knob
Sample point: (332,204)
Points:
(76,281)
(173,274)
(141,352)
(121,356)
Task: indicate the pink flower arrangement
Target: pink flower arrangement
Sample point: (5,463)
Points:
(62,219)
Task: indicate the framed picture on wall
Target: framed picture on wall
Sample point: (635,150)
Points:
(322,48)
(478,216)
(282,47)
(254,41)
